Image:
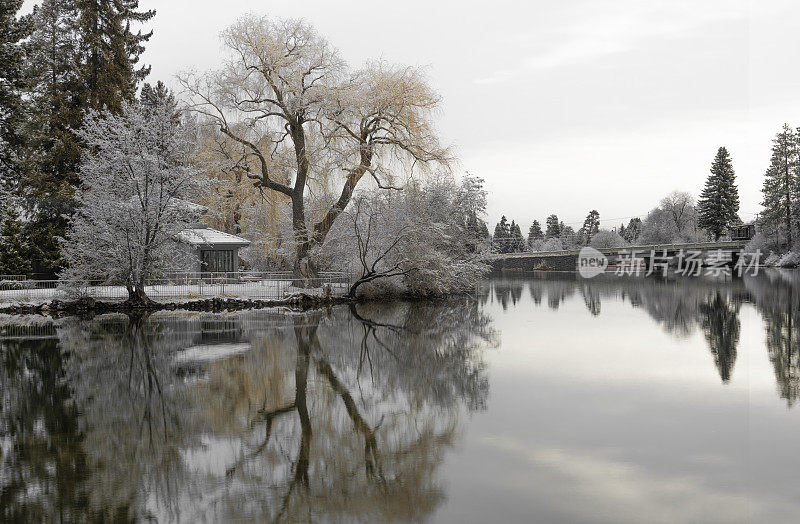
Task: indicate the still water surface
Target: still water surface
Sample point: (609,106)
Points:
(543,399)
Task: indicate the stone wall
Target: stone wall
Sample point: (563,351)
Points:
(534,263)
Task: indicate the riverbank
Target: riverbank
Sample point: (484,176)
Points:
(85,306)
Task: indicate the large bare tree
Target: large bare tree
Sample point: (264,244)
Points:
(310,125)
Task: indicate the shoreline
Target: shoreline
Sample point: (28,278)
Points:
(89,306)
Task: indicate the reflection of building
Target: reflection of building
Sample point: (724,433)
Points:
(213,250)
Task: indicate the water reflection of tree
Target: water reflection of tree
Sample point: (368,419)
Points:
(373,406)
(339,416)
(679,307)
(777,296)
(41,469)
(720,323)
(132,410)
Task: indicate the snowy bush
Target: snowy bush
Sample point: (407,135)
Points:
(790,259)
(606,239)
(552,244)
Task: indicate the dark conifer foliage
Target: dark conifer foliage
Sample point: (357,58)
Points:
(535,232)
(553,227)
(110,51)
(780,188)
(13,30)
(719,202)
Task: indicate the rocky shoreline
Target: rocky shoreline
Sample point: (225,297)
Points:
(84,306)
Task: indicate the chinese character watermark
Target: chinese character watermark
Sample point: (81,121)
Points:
(692,263)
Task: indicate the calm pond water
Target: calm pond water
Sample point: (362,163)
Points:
(543,399)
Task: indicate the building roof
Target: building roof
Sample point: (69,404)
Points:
(200,237)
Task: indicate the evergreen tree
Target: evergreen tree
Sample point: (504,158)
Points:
(13,30)
(780,188)
(632,232)
(553,227)
(535,232)
(502,234)
(157,96)
(517,240)
(81,56)
(111,51)
(53,152)
(590,226)
(15,252)
(569,238)
(719,201)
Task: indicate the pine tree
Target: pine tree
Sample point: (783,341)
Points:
(517,240)
(535,232)
(780,188)
(502,233)
(111,51)
(719,202)
(553,227)
(631,233)
(15,252)
(13,30)
(590,226)
(53,152)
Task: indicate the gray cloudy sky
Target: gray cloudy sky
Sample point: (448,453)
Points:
(561,106)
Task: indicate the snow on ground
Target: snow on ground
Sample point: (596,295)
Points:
(262,289)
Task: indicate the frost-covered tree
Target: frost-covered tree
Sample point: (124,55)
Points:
(718,207)
(412,242)
(471,200)
(780,188)
(674,220)
(131,209)
(679,205)
(569,238)
(309,125)
(605,239)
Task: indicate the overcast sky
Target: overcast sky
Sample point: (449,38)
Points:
(562,107)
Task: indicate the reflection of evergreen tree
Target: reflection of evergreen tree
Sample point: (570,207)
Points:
(720,323)
(506,292)
(591,297)
(37,415)
(777,297)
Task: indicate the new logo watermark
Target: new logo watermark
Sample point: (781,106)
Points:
(591,262)
(633,262)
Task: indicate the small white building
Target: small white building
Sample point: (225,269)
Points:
(213,251)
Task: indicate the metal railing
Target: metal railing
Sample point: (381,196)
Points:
(245,285)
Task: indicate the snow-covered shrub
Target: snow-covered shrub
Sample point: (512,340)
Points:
(790,259)
(606,239)
(552,244)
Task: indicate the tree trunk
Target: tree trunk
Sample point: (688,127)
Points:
(137,296)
